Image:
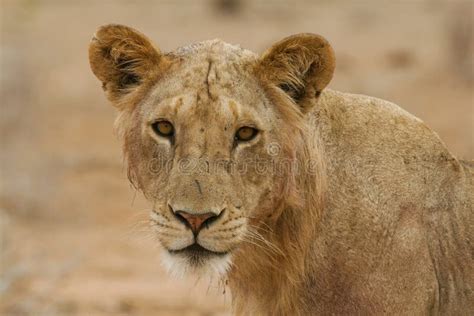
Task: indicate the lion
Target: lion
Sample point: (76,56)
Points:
(304,200)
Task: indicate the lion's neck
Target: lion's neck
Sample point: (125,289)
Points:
(268,276)
(270,271)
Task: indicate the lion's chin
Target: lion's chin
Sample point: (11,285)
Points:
(196,263)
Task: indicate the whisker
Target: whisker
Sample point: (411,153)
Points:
(157,223)
(267,229)
(233,228)
(245,239)
(258,236)
(163,233)
(273,260)
(229,220)
(257,242)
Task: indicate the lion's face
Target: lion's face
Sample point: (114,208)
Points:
(205,139)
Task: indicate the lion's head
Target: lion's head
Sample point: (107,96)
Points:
(213,135)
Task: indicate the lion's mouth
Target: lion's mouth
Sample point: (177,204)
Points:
(196,251)
(197,260)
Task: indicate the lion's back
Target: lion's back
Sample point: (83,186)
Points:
(399,196)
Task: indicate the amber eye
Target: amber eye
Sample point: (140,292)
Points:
(163,128)
(246,133)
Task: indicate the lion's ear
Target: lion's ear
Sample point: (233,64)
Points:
(301,65)
(122,58)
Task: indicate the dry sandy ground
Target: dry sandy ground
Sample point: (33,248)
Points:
(73,233)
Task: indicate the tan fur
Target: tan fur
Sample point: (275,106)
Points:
(361,209)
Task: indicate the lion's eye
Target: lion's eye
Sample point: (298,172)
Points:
(245,134)
(163,128)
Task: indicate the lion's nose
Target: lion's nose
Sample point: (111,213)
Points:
(195,221)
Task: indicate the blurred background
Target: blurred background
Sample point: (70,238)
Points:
(73,233)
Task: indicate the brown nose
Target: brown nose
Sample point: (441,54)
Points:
(195,221)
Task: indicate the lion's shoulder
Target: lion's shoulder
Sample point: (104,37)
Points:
(374,127)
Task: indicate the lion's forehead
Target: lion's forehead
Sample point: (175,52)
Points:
(215,66)
(212,79)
